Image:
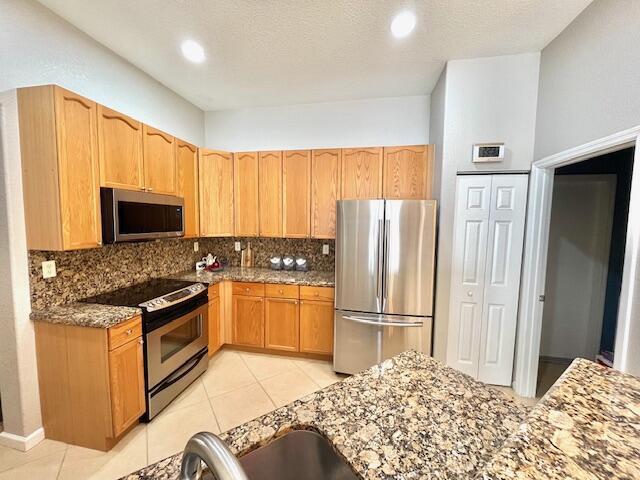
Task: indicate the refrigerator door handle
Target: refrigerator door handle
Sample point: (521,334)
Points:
(385,276)
(382,324)
(380,263)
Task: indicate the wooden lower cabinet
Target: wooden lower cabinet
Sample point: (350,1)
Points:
(215,339)
(316,327)
(126,375)
(91,382)
(248,321)
(282,325)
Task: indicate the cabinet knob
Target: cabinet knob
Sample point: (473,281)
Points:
(246,289)
(149,189)
(280,291)
(316,294)
(140,341)
(262,299)
(129,332)
(296,302)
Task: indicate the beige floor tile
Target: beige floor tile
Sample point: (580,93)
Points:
(226,372)
(129,455)
(168,432)
(319,371)
(264,366)
(289,386)
(194,393)
(240,406)
(45,468)
(10,458)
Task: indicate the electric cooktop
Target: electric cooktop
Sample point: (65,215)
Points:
(135,295)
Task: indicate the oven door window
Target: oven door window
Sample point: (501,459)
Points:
(180,337)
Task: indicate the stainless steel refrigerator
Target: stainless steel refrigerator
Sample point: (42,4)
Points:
(385,259)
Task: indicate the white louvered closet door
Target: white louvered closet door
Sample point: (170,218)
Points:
(485,283)
(473,197)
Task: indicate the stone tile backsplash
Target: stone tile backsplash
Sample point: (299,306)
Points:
(82,273)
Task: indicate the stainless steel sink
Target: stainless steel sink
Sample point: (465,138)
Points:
(298,455)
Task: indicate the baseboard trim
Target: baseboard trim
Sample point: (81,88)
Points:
(22,443)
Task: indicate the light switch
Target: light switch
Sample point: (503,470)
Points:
(49,269)
(196,247)
(238,247)
(325,249)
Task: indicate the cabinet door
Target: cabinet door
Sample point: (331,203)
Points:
(270,190)
(248,321)
(187,185)
(316,327)
(120,148)
(77,143)
(361,173)
(325,185)
(296,193)
(408,172)
(282,324)
(215,174)
(245,193)
(159,161)
(471,221)
(214,325)
(126,375)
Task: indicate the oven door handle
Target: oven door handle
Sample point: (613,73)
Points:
(180,374)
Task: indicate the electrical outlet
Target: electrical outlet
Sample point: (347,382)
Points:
(196,247)
(325,249)
(49,269)
(238,247)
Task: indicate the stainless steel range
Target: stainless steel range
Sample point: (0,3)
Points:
(175,326)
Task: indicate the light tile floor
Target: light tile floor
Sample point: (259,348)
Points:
(237,387)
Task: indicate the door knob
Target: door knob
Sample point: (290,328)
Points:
(470,293)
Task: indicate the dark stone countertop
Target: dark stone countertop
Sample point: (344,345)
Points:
(260,275)
(85,315)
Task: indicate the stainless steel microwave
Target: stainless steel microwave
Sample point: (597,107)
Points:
(128,215)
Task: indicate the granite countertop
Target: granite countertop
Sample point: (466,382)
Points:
(586,427)
(85,315)
(260,275)
(410,417)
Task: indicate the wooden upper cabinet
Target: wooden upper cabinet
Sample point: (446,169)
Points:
(215,175)
(270,193)
(245,193)
(187,185)
(59,147)
(325,186)
(120,147)
(296,193)
(361,173)
(408,172)
(159,161)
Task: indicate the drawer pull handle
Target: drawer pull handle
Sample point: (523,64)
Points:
(129,332)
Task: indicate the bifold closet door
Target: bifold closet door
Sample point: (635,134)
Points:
(502,278)
(485,282)
(473,201)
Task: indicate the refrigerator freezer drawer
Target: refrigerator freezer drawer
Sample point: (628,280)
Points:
(364,340)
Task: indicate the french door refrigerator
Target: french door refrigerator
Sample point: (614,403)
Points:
(385,259)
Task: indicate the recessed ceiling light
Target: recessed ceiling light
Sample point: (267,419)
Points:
(403,24)
(193,51)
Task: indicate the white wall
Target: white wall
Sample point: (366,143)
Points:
(38,47)
(589,77)
(485,100)
(18,372)
(372,122)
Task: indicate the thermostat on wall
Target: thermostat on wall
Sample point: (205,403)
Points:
(488,152)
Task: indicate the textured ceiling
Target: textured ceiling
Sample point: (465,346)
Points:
(283,52)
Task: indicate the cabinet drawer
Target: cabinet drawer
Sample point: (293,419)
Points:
(274,290)
(214,291)
(125,332)
(244,288)
(317,293)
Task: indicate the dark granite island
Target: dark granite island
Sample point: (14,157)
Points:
(410,417)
